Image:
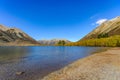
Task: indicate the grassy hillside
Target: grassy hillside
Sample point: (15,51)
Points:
(113,41)
(110,27)
(107,34)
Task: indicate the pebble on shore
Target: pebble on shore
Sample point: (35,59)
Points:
(19,73)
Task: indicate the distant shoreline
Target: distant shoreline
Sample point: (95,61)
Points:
(102,66)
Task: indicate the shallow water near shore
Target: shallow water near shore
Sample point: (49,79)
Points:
(37,62)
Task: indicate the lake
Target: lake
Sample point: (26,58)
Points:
(37,62)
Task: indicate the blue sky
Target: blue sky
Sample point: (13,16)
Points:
(49,19)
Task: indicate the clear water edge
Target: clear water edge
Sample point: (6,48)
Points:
(37,62)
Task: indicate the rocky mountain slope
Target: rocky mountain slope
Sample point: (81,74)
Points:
(52,42)
(14,36)
(111,27)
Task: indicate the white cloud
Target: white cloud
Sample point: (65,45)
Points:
(101,21)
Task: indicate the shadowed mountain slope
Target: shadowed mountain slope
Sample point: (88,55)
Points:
(14,36)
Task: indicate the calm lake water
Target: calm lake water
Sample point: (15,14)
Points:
(37,62)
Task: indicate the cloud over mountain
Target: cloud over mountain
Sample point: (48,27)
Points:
(100,21)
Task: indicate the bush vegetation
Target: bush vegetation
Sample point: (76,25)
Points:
(113,41)
(60,43)
(105,35)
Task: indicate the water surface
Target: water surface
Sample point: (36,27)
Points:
(37,62)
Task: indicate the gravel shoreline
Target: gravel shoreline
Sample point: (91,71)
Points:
(102,66)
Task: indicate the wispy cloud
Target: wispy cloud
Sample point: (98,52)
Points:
(100,21)
(94,16)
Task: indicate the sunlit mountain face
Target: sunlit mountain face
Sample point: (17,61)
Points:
(14,36)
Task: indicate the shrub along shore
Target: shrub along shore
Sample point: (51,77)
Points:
(113,41)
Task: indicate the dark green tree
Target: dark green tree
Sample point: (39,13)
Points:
(118,43)
(105,35)
(61,43)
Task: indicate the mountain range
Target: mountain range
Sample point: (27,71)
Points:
(16,37)
(52,42)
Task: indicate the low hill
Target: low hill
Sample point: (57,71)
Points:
(52,42)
